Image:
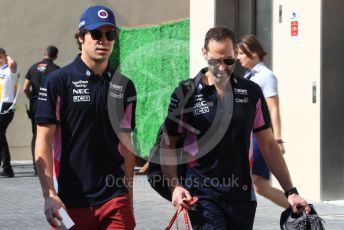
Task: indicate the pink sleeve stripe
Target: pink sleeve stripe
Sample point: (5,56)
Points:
(180,124)
(250,154)
(126,121)
(259,119)
(57,150)
(57,145)
(190,144)
(58,108)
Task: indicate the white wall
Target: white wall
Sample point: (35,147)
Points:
(296,63)
(201,20)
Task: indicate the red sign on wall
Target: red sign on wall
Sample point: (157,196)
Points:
(294,28)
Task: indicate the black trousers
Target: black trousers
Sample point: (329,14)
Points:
(33,108)
(213,214)
(5,120)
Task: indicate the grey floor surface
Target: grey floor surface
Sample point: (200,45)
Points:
(21,206)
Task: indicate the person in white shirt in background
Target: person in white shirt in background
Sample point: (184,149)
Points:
(251,54)
(8,81)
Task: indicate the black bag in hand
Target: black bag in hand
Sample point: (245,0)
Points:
(311,221)
(155,175)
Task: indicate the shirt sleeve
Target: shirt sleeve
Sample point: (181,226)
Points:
(173,124)
(262,118)
(49,100)
(127,122)
(269,87)
(28,74)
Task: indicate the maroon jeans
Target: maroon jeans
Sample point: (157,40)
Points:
(116,214)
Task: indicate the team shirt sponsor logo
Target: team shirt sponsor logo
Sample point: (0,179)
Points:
(201,106)
(173,104)
(116,87)
(117,91)
(80,92)
(42,67)
(240,91)
(242,100)
(42,95)
(80,84)
(81,98)
(116,95)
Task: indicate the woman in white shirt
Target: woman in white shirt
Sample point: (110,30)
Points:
(251,54)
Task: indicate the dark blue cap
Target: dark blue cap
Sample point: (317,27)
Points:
(96,16)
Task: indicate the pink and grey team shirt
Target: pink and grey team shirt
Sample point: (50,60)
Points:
(218,136)
(87,147)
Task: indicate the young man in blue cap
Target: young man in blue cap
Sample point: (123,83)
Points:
(93,162)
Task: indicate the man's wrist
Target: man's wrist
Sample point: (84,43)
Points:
(47,194)
(174,186)
(279,141)
(128,182)
(291,191)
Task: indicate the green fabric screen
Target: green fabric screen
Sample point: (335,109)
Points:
(155,58)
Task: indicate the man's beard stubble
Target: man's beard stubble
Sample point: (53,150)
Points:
(221,77)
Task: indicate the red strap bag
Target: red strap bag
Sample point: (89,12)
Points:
(185,215)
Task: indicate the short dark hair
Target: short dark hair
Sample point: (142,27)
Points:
(219,33)
(52,52)
(2,51)
(250,44)
(81,33)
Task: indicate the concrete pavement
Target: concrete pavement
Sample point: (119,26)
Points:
(21,206)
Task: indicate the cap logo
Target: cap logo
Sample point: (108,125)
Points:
(102,14)
(81,24)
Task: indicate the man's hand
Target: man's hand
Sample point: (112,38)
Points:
(12,64)
(180,197)
(298,204)
(52,204)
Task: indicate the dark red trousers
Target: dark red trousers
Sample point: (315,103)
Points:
(116,214)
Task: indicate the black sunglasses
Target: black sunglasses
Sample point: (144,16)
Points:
(215,62)
(98,34)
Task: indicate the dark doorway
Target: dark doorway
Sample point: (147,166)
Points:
(247,17)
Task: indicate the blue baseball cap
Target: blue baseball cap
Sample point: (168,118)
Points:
(96,16)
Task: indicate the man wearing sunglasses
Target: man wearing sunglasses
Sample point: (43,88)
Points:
(93,163)
(217,127)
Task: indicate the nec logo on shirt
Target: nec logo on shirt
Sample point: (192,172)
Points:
(81,91)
